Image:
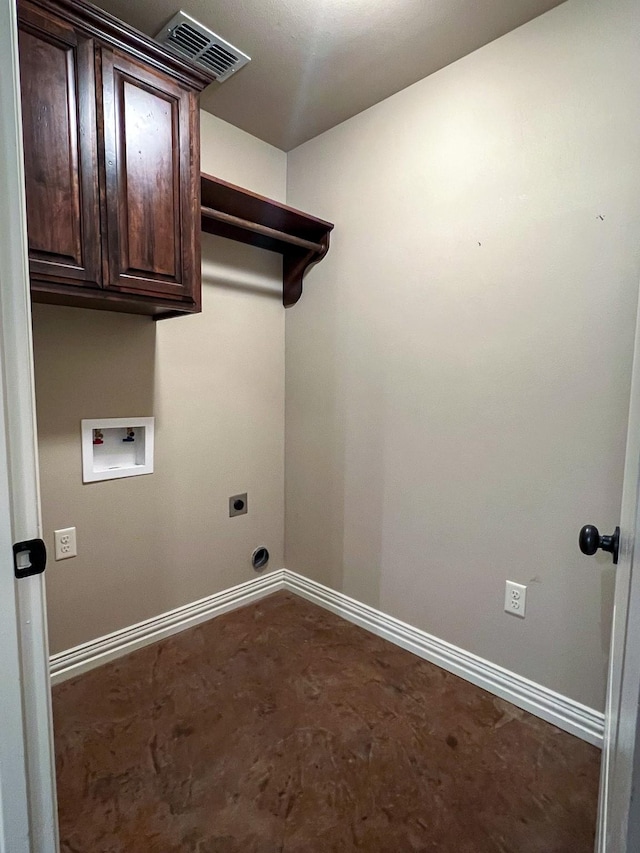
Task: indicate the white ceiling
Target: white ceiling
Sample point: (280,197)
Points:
(316,63)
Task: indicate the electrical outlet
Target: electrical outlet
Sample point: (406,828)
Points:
(65,542)
(238,505)
(515,598)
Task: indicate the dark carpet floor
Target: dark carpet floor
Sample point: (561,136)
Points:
(281,727)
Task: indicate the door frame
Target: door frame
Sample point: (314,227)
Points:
(28,815)
(28,821)
(618,804)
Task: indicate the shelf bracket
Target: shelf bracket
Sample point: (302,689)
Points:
(295,265)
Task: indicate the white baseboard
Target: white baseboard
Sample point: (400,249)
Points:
(553,707)
(562,712)
(79,659)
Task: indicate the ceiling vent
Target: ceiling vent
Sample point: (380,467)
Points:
(186,37)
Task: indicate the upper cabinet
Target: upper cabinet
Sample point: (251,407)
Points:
(111,139)
(151,181)
(60,151)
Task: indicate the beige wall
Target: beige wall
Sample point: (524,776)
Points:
(458,368)
(215,383)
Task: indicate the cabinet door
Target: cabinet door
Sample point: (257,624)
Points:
(152,182)
(60,150)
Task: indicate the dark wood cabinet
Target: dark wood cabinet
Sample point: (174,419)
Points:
(61,166)
(150,176)
(111,136)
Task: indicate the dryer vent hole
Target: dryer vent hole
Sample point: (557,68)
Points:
(260,558)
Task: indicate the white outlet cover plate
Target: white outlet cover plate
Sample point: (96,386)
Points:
(515,599)
(65,542)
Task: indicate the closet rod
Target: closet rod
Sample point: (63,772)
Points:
(282,236)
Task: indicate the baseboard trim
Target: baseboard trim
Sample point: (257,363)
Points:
(559,710)
(565,713)
(79,659)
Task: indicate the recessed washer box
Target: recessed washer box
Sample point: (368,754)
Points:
(116,447)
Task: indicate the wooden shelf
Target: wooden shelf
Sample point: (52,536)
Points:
(232,212)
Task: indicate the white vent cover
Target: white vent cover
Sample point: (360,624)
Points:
(186,37)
